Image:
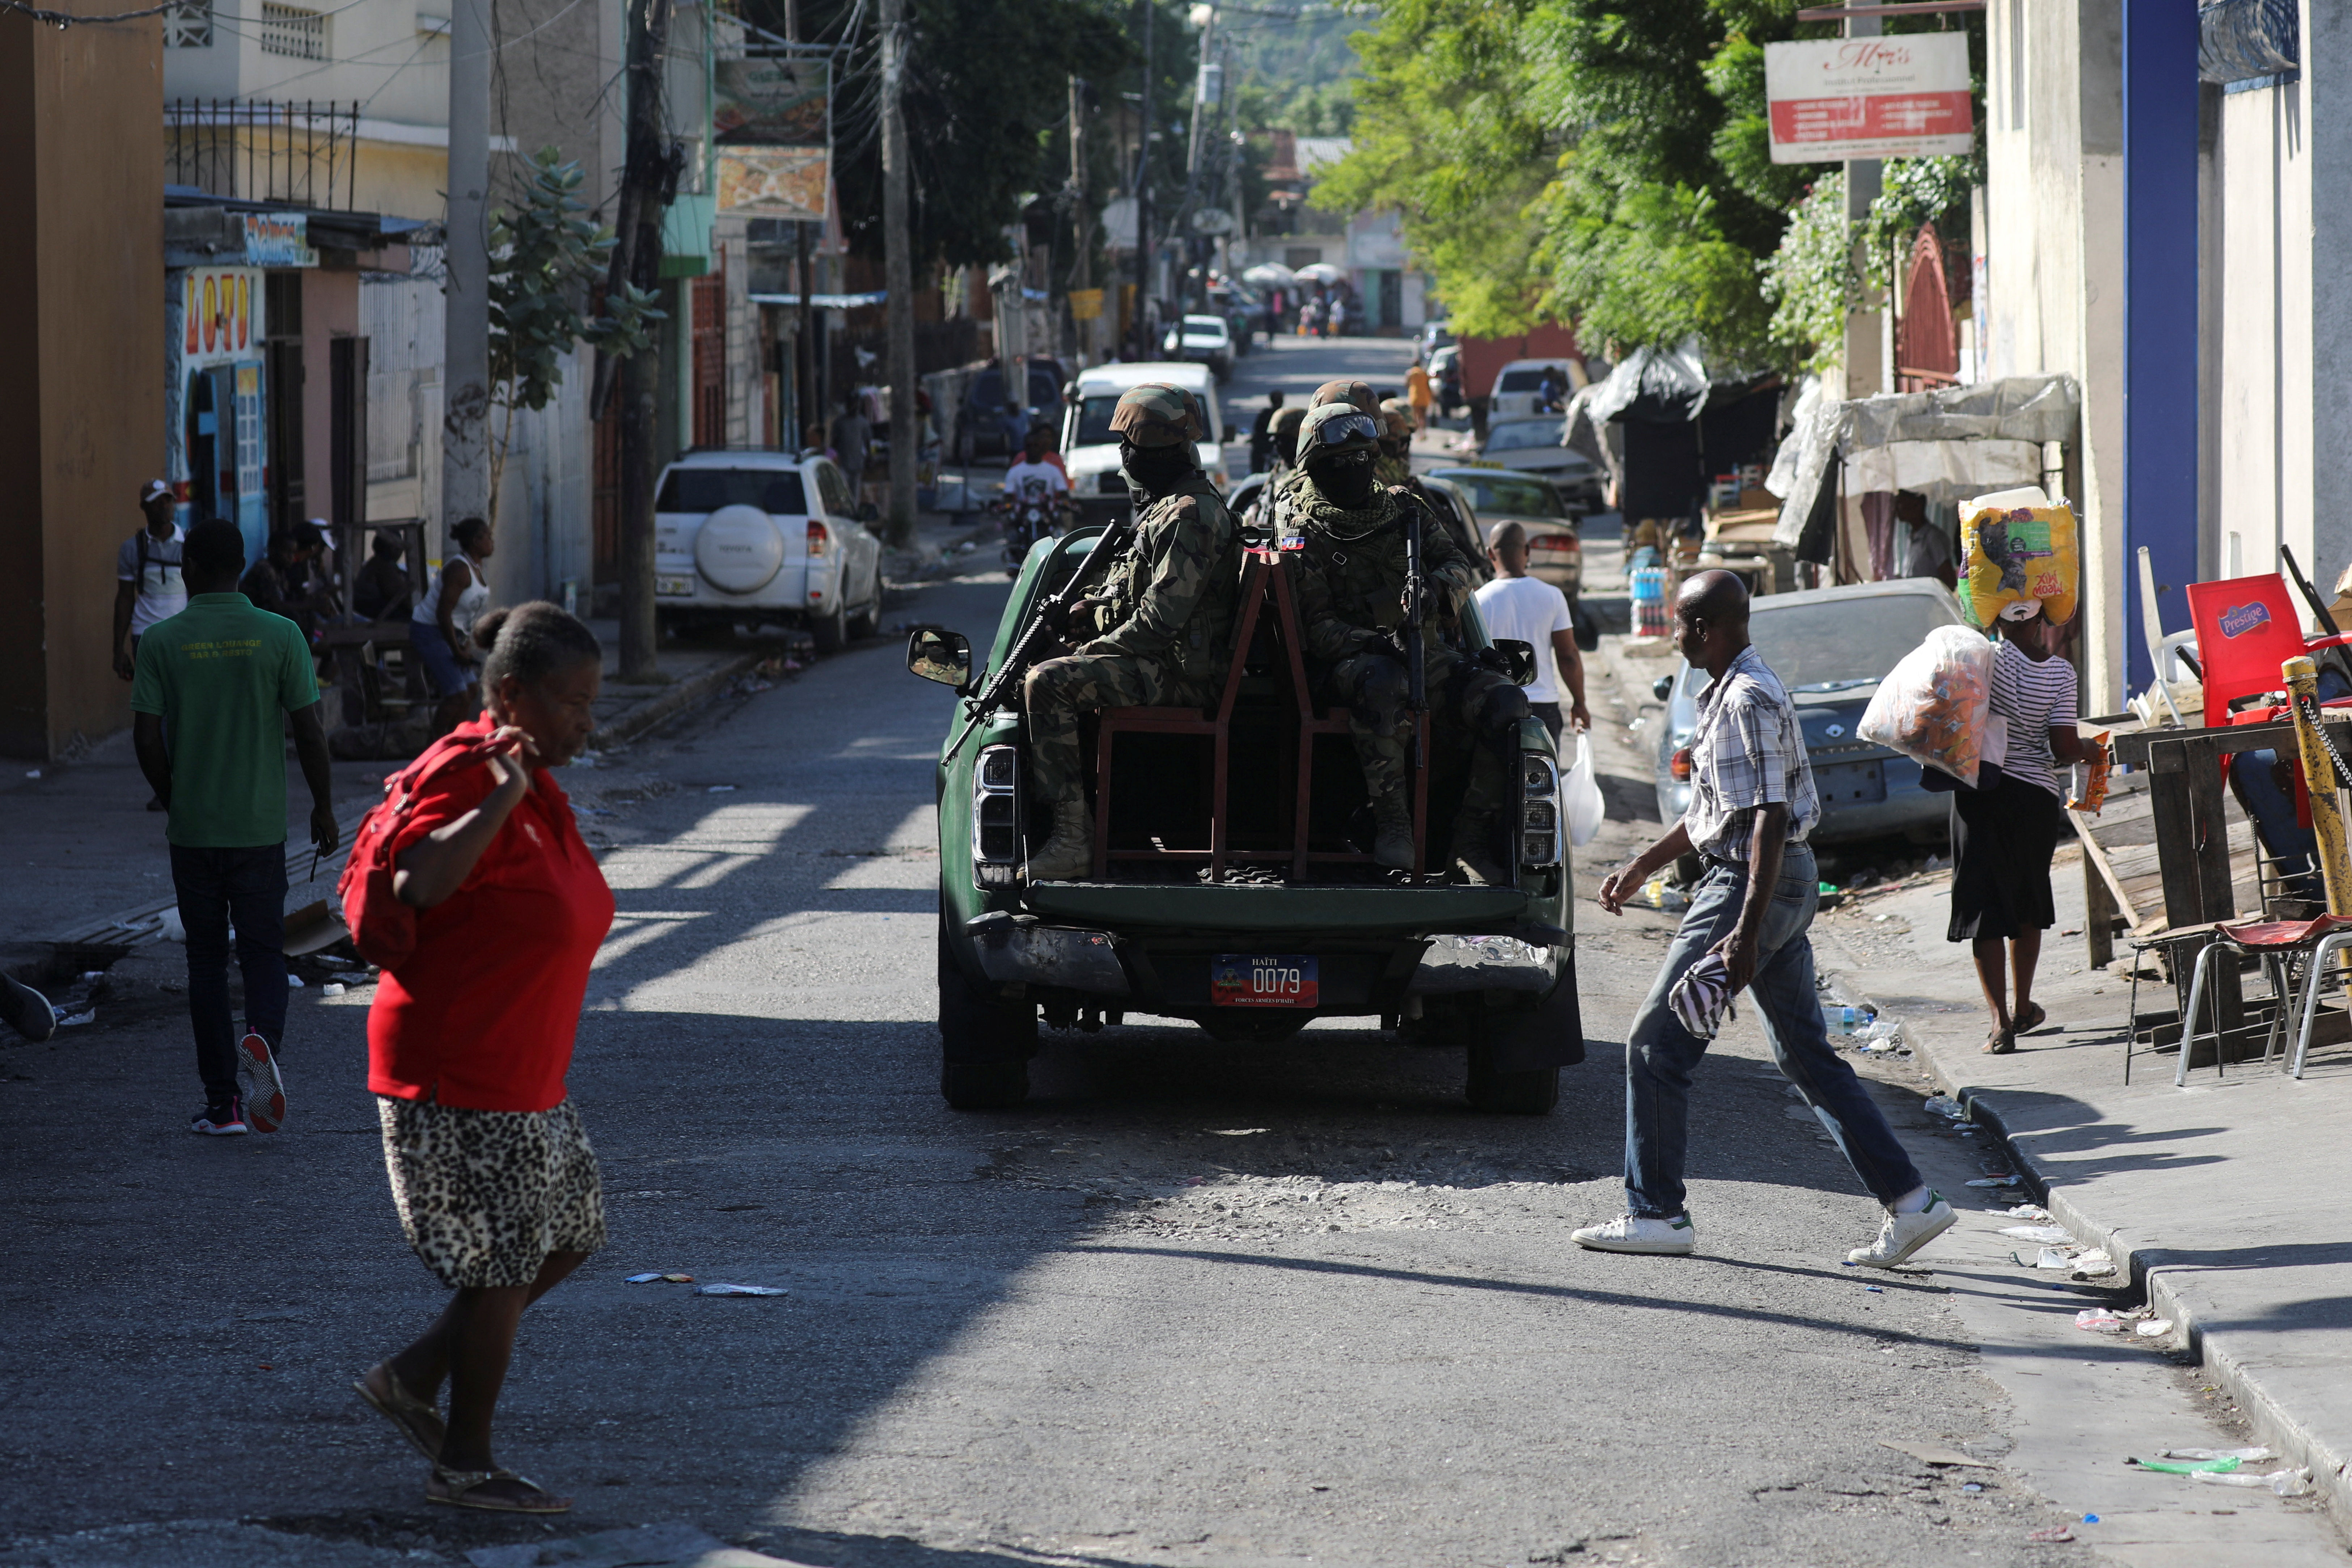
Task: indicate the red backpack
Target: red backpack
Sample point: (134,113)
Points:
(383,929)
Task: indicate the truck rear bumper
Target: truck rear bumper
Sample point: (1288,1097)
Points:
(1358,975)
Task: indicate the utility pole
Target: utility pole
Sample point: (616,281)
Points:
(1864,328)
(1143,194)
(466,294)
(898,275)
(645,180)
(1193,248)
(1082,238)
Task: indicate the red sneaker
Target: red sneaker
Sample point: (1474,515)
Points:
(265,1091)
(219,1121)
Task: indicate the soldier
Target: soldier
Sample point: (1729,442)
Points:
(1161,630)
(1352,609)
(1394,464)
(1282,489)
(1283,435)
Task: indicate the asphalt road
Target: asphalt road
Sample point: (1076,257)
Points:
(1195,1304)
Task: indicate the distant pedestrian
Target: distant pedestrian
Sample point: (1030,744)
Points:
(213,688)
(2005,833)
(852,433)
(1752,804)
(1532,611)
(281,581)
(382,592)
(1261,432)
(149,587)
(1421,393)
(440,628)
(468,1041)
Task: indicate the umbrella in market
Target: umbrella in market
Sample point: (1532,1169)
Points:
(1321,272)
(1270,274)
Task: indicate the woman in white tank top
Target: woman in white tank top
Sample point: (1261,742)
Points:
(441,627)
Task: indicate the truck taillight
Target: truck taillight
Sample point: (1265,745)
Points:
(1678,767)
(819,539)
(1540,839)
(1563,543)
(996,809)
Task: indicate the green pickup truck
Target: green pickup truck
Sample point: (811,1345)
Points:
(1231,886)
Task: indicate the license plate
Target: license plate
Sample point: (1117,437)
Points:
(1850,783)
(1263,980)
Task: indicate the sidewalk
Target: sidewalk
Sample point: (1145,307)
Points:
(2223,1204)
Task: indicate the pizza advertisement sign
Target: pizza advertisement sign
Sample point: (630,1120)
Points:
(1901,96)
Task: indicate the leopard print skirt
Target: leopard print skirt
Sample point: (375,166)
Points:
(485,1196)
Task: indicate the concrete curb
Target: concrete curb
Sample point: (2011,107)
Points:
(2273,1423)
(632,723)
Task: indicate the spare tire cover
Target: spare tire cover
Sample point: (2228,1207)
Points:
(739,550)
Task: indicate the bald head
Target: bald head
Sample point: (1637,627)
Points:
(1711,620)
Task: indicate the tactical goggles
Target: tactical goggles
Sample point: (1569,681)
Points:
(1346,428)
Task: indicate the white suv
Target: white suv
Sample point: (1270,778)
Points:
(762,536)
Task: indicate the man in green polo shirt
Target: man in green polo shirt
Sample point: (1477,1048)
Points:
(217,679)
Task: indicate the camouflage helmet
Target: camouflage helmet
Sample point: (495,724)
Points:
(1157,414)
(1335,428)
(1355,394)
(1286,421)
(1398,417)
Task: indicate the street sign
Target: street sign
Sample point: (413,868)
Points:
(1086,304)
(1211,222)
(1901,96)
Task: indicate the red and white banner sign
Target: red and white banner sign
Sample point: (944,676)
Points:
(1906,96)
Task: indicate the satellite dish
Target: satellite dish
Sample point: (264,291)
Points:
(1212,221)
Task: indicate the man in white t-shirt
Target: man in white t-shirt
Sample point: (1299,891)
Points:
(1038,461)
(1530,610)
(147,574)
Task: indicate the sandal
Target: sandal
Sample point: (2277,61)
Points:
(417,1420)
(455,1488)
(2000,1043)
(2033,1018)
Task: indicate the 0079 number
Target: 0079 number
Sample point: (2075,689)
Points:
(1263,980)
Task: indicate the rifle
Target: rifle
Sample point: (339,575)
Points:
(1047,618)
(1416,651)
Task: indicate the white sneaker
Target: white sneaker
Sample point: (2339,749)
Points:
(1638,1233)
(1901,1235)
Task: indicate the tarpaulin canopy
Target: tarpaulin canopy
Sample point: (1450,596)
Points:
(1945,445)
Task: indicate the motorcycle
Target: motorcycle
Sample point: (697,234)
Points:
(1037,512)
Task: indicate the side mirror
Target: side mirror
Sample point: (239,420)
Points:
(938,654)
(1233,432)
(1518,660)
(1662,686)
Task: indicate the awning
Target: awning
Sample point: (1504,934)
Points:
(821,302)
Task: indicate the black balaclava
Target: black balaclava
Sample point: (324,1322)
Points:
(1157,470)
(1345,478)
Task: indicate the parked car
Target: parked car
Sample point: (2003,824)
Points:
(1091,451)
(980,420)
(1533,446)
(1555,550)
(1432,336)
(1204,339)
(1518,386)
(1831,648)
(764,537)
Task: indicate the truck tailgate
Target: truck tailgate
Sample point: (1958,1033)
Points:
(1127,905)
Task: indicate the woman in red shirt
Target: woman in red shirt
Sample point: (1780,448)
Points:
(469,1040)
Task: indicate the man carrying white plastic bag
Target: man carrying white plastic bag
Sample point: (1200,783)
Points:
(1752,804)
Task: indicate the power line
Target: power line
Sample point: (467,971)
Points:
(68,19)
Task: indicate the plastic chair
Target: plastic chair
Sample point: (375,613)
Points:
(2163,651)
(2246,627)
(2314,981)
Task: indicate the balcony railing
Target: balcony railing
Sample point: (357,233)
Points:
(303,153)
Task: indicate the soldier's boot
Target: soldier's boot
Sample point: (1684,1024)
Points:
(1392,831)
(1068,852)
(1473,854)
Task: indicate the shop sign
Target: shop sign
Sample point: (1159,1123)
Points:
(222,308)
(772,102)
(772,182)
(1904,95)
(278,239)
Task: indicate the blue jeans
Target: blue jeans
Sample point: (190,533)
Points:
(1661,1053)
(248,887)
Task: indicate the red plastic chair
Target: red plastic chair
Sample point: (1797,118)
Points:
(2246,627)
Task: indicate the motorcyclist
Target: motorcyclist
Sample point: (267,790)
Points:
(1160,633)
(1352,609)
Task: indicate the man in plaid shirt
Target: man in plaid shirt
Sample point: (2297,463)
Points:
(1752,804)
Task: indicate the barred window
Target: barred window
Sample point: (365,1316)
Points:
(289,30)
(188,24)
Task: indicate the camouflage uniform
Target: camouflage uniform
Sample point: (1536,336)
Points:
(1394,464)
(1352,611)
(1164,618)
(1280,502)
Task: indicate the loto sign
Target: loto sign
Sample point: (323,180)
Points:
(1903,96)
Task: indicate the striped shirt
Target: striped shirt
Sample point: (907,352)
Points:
(1749,752)
(2033,695)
